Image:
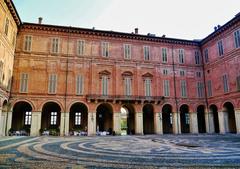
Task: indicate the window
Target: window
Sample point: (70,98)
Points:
(237,38)
(79,85)
(164,55)
(187,118)
(198,74)
(127,51)
(105,49)
(53,118)
(181,55)
(171,118)
(148,82)
(220,48)
(55,45)
(209,87)
(81,47)
(14,38)
(9,80)
(104,85)
(28,118)
(166,88)
(24,83)
(182,73)
(28,43)
(225,84)
(146,52)
(197,58)
(52,84)
(238,83)
(206,55)
(183,88)
(6,26)
(77,118)
(128,86)
(200,90)
(165,71)
(1,72)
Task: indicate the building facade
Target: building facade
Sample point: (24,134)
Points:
(69,79)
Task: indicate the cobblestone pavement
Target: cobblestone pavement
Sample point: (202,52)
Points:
(153,151)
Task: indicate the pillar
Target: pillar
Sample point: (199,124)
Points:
(66,131)
(117,122)
(36,123)
(1,122)
(9,120)
(176,123)
(92,123)
(139,122)
(193,123)
(64,124)
(221,118)
(158,123)
(237,119)
(209,120)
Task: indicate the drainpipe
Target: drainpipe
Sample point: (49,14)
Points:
(175,90)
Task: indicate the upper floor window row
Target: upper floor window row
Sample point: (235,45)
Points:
(181,56)
(28,43)
(220,48)
(197,58)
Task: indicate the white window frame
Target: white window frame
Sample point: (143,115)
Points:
(28,118)
(27,43)
(183,87)
(79,85)
(236,36)
(55,45)
(78,117)
(81,44)
(164,55)
(166,88)
(127,51)
(127,86)
(146,51)
(105,49)
(225,83)
(105,85)
(220,48)
(181,56)
(148,87)
(52,84)
(53,121)
(23,83)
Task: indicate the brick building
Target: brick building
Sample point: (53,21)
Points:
(91,80)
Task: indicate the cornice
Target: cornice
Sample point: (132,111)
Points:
(13,11)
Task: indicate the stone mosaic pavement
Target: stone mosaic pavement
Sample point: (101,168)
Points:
(166,151)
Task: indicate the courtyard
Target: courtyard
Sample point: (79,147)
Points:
(149,151)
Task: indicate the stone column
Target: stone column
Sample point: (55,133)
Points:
(139,122)
(221,118)
(36,123)
(66,131)
(117,122)
(193,123)
(237,119)
(209,120)
(62,124)
(176,123)
(9,120)
(158,123)
(91,123)
(1,122)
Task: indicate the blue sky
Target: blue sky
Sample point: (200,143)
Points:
(186,19)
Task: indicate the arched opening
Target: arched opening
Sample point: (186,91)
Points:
(185,119)
(78,121)
(127,120)
(21,119)
(148,119)
(105,118)
(167,119)
(230,117)
(201,119)
(51,116)
(214,110)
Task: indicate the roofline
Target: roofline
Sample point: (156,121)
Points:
(108,33)
(13,11)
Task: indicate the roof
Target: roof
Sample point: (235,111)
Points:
(13,11)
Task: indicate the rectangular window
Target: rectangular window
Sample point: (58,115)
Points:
(79,85)
(52,84)
(148,87)
(220,48)
(187,118)
(6,28)
(181,55)
(237,38)
(1,72)
(53,118)
(28,43)
(104,85)
(183,88)
(197,58)
(164,55)
(238,83)
(209,87)
(14,38)
(182,73)
(24,83)
(171,118)
(28,118)
(55,45)
(105,49)
(81,47)
(128,86)
(77,118)
(198,74)
(165,71)
(206,55)
(200,90)
(146,50)
(127,51)
(225,84)
(166,88)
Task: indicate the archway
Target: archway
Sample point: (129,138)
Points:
(21,117)
(51,116)
(185,119)
(78,120)
(214,110)
(201,119)
(167,119)
(148,119)
(105,118)
(127,120)
(230,117)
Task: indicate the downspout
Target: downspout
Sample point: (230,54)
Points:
(175,90)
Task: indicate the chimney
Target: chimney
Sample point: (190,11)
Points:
(40,20)
(136,30)
(215,28)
